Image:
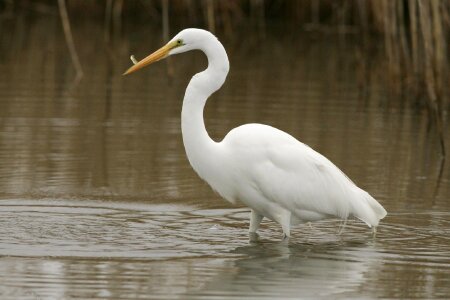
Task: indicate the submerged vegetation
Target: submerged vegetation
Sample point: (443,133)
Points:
(414,33)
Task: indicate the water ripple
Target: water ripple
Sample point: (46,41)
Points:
(58,248)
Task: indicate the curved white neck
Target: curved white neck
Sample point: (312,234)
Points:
(201,150)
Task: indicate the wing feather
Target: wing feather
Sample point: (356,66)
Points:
(293,175)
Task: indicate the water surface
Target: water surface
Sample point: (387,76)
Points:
(97,199)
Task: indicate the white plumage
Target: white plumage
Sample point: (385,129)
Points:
(268,170)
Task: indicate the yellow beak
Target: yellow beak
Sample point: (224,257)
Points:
(159,54)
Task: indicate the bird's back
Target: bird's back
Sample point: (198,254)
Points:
(292,175)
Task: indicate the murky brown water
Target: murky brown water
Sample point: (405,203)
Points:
(97,199)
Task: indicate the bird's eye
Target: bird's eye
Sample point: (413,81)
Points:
(179,42)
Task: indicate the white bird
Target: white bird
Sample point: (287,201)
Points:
(266,169)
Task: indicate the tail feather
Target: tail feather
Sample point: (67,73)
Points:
(367,209)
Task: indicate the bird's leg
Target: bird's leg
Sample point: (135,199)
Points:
(342,227)
(255,220)
(285,222)
(286,231)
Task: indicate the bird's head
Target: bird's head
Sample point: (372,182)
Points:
(188,39)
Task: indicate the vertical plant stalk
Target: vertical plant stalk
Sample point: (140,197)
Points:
(315,9)
(430,79)
(257,15)
(414,44)
(390,40)
(165,34)
(117,17)
(439,52)
(405,51)
(439,62)
(107,24)
(210,15)
(69,39)
(364,21)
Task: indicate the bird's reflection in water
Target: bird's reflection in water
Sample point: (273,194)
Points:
(279,269)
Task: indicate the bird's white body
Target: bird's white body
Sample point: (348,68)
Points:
(266,169)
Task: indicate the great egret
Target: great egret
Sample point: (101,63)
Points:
(268,170)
